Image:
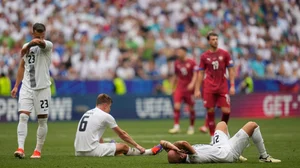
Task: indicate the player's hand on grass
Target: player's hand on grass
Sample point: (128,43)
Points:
(14,92)
(232,90)
(197,94)
(141,149)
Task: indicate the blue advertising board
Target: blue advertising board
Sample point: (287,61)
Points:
(66,108)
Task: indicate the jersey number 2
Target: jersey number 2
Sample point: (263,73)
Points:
(216,139)
(83,124)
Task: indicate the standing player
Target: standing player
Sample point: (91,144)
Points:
(185,82)
(212,70)
(35,94)
(223,150)
(91,127)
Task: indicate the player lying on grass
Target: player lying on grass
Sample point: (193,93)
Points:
(223,150)
(91,127)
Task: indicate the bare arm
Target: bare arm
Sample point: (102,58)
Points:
(185,146)
(174,82)
(20,73)
(231,75)
(101,140)
(125,137)
(168,146)
(199,80)
(193,81)
(35,42)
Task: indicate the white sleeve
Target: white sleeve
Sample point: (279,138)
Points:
(49,45)
(111,122)
(25,45)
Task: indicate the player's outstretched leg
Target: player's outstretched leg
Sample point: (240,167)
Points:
(128,151)
(22,133)
(253,130)
(211,122)
(41,136)
(204,128)
(191,129)
(225,114)
(176,127)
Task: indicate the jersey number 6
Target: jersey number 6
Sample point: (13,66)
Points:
(83,124)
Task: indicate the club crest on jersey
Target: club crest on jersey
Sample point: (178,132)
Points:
(208,59)
(220,58)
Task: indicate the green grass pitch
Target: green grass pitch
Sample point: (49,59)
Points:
(282,139)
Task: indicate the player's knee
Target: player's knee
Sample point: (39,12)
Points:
(209,110)
(225,110)
(252,124)
(23,117)
(221,125)
(177,106)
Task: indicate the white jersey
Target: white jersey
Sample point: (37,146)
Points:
(209,154)
(90,129)
(37,63)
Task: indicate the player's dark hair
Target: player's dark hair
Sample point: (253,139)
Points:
(103,98)
(211,34)
(39,27)
(183,48)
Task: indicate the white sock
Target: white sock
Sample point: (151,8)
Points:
(41,133)
(259,142)
(191,127)
(136,152)
(22,129)
(176,126)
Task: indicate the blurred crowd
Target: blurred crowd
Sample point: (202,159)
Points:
(105,39)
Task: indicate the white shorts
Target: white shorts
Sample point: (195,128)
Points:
(103,149)
(238,143)
(235,145)
(221,140)
(37,101)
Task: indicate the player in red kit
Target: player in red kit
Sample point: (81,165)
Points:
(184,82)
(212,71)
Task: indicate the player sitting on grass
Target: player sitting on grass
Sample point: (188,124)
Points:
(223,150)
(91,127)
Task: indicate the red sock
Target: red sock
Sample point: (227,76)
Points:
(192,117)
(176,116)
(211,122)
(225,117)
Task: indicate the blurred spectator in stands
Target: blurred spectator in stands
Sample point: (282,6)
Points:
(167,84)
(151,70)
(119,85)
(258,67)
(272,68)
(247,85)
(5,85)
(125,70)
(6,39)
(53,87)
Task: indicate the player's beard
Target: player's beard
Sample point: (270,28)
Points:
(214,46)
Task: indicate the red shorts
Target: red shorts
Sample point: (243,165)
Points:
(211,100)
(187,97)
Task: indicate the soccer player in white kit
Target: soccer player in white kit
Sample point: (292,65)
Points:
(223,150)
(35,94)
(91,127)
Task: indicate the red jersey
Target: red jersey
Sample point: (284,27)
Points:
(214,65)
(184,71)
